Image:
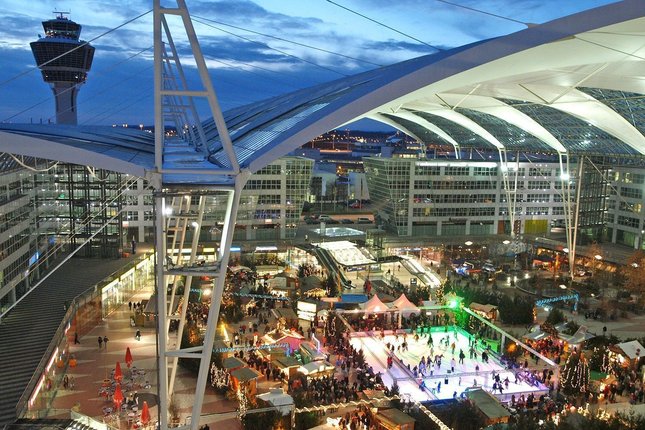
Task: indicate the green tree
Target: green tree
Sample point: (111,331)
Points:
(304,420)
(464,416)
(555,316)
(261,420)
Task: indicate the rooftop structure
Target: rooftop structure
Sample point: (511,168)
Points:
(64,61)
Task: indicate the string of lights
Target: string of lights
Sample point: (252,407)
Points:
(262,296)
(253,348)
(422,408)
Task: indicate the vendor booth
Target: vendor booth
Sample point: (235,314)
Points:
(309,353)
(288,365)
(291,338)
(287,318)
(394,419)
(246,380)
(489,407)
(278,399)
(233,363)
(311,286)
(489,312)
(626,354)
(317,369)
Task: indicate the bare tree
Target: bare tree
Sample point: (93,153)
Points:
(634,273)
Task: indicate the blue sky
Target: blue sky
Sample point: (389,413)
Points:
(247,68)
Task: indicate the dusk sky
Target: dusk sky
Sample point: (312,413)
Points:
(244,66)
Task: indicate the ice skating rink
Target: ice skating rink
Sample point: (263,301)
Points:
(466,375)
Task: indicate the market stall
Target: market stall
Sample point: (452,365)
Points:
(394,419)
(626,354)
(489,312)
(317,369)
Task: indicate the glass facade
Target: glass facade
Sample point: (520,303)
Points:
(460,197)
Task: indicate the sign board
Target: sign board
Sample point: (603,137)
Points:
(306,310)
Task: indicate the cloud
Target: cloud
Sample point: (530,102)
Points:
(252,15)
(119,89)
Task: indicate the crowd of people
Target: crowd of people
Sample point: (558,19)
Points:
(359,419)
(549,347)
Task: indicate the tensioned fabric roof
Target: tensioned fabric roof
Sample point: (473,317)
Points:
(573,85)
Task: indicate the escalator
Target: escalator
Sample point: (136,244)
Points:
(327,261)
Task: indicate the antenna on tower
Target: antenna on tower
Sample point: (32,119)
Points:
(61,15)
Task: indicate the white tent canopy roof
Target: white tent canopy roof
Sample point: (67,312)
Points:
(373,305)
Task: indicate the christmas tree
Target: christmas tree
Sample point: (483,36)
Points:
(574,378)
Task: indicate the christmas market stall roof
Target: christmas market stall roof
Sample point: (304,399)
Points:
(278,398)
(315,367)
(245,374)
(286,362)
(482,308)
(488,405)
(394,417)
(281,337)
(572,86)
(232,363)
(632,349)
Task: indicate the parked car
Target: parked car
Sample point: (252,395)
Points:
(364,220)
(346,221)
(324,218)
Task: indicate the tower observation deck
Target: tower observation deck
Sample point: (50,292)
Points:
(64,61)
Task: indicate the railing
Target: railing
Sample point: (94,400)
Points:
(57,338)
(88,421)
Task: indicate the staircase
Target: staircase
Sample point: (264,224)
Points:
(25,333)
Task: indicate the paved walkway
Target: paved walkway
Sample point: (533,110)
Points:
(28,329)
(95,365)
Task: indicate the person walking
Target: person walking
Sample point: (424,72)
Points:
(137,335)
(100,342)
(105,341)
(130,306)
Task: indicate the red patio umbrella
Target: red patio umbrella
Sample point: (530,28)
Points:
(145,413)
(128,357)
(118,375)
(118,396)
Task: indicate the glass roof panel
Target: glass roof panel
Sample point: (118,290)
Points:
(575,134)
(511,136)
(462,135)
(428,136)
(630,106)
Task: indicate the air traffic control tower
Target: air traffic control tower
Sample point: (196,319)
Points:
(64,61)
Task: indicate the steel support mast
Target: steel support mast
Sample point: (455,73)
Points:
(179,209)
